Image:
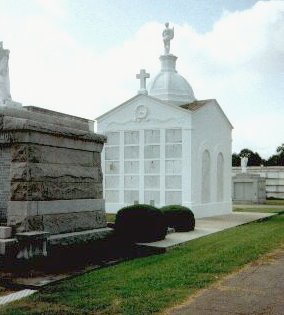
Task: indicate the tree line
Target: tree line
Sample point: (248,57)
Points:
(254,159)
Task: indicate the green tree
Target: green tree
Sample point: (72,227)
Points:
(254,159)
(280,149)
(278,158)
(236,160)
(272,160)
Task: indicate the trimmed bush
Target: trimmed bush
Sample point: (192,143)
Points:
(178,217)
(140,223)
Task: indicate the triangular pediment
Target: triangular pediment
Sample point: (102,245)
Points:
(139,97)
(144,110)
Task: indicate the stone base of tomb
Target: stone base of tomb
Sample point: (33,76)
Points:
(50,173)
(57,216)
(34,244)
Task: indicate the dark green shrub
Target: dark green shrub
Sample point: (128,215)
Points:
(140,223)
(178,217)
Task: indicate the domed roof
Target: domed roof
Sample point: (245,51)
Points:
(170,86)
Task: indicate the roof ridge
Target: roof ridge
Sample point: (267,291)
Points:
(195,105)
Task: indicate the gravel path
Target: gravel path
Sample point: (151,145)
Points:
(257,289)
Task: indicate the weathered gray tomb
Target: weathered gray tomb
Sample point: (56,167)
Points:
(50,176)
(247,187)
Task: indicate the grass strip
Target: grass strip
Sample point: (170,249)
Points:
(149,285)
(258,209)
(110,217)
(276,202)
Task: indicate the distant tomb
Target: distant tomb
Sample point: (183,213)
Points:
(248,187)
(274,179)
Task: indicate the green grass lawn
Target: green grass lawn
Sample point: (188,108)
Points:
(149,285)
(258,209)
(268,207)
(110,217)
(276,202)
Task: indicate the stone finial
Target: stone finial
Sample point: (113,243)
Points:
(168,34)
(142,76)
(5,95)
(4,75)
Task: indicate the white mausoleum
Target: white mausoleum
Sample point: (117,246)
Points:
(165,147)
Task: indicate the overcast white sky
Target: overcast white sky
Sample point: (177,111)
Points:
(81,56)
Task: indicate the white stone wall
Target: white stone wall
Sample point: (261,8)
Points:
(143,159)
(274,178)
(157,156)
(220,177)
(211,162)
(143,166)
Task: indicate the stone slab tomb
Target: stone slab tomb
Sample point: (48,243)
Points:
(50,172)
(248,188)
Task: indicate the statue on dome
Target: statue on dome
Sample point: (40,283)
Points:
(4,75)
(168,35)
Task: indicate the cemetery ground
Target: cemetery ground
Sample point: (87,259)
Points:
(270,206)
(152,284)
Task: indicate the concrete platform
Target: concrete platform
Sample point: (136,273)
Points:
(206,226)
(16,296)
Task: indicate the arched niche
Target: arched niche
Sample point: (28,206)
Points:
(220,177)
(206,178)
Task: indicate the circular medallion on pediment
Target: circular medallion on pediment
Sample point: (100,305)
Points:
(141,112)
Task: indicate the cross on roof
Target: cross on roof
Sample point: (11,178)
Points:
(142,76)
